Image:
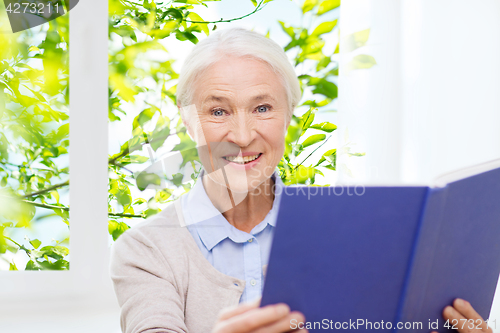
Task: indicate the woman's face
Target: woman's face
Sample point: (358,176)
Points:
(239,119)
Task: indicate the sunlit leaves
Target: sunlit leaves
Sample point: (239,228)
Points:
(163,195)
(36,243)
(144,179)
(308,5)
(324,28)
(195,17)
(327,5)
(151,129)
(116,228)
(361,61)
(313,139)
(356,40)
(329,156)
(325,126)
(300,175)
(166,30)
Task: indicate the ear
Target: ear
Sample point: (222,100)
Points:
(185,122)
(288,121)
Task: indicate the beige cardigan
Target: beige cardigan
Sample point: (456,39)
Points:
(163,282)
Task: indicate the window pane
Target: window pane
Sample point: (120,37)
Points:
(34,143)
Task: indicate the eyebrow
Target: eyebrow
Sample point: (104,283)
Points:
(215,98)
(221,98)
(261,97)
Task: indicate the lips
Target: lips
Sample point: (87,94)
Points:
(242,159)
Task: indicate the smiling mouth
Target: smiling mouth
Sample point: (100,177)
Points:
(242,159)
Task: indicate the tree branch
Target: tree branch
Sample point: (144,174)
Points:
(32,194)
(259,7)
(46,205)
(137,146)
(124,215)
(312,152)
(67,209)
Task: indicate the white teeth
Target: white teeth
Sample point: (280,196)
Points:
(241,159)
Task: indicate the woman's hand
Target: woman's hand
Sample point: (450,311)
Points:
(250,318)
(465,319)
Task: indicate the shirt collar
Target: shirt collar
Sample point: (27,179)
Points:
(211,225)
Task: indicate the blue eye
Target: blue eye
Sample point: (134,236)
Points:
(262,108)
(218,113)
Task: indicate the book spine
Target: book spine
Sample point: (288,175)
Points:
(419,268)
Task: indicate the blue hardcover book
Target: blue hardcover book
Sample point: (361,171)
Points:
(378,258)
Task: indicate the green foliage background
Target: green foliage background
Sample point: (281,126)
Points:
(34,140)
(135,30)
(34,145)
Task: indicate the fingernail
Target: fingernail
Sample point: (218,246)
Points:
(459,302)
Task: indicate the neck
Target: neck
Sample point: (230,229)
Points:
(243,210)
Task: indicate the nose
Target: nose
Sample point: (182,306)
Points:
(241,131)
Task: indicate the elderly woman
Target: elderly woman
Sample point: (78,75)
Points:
(208,251)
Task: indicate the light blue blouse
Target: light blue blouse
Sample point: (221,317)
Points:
(231,251)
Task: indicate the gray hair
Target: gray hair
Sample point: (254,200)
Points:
(241,43)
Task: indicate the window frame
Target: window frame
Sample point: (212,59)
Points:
(87,285)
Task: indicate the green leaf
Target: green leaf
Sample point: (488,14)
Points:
(160,133)
(32,266)
(287,29)
(150,212)
(355,40)
(139,201)
(134,159)
(58,265)
(62,132)
(173,13)
(324,87)
(195,17)
(325,126)
(116,229)
(307,119)
(313,139)
(361,61)
(184,35)
(329,155)
(163,195)
(327,5)
(308,5)
(144,179)
(143,117)
(168,28)
(254,2)
(123,196)
(301,175)
(324,28)
(35,243)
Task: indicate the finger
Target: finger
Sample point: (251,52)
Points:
(253,319)
(450,313)
(286,324)
(462,324)
(239,309)
(466,310)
